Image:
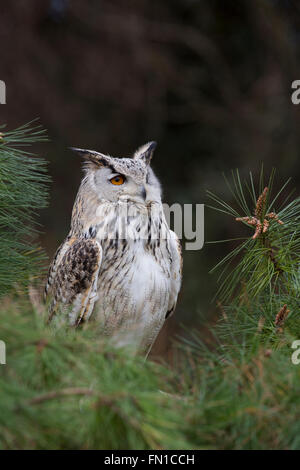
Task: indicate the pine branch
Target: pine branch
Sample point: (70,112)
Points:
(60,393)
(272,254)
(23,192)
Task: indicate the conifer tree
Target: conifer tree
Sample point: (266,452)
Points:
(23,191)
(247,384)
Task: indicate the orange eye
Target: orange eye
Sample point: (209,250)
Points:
(119,179)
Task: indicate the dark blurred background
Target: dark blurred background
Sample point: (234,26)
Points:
(209,80)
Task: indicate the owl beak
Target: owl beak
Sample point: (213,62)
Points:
(144,193)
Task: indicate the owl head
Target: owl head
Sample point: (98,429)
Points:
(129,179)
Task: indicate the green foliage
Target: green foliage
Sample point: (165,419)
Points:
(68,389)
(272,259)
(23,191)
(248,390)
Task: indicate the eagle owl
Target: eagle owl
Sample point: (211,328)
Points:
(120,263)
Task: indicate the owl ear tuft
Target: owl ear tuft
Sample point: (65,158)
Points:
(90,156)
(145,152)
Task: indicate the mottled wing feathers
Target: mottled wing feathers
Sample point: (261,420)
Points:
(54,266)
(176,272)
(73,278)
